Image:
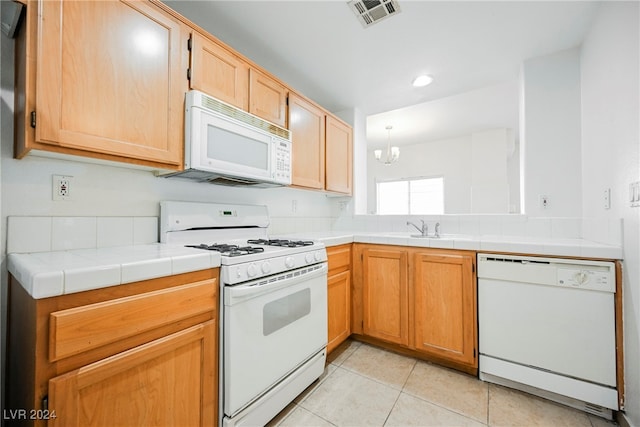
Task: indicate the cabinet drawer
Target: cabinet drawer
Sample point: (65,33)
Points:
(80,329)
(339,258)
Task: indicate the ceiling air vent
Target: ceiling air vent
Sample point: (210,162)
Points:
(370,12)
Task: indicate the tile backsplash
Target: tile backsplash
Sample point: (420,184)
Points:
(43,234)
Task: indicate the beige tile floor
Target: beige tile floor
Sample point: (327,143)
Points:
(367,386)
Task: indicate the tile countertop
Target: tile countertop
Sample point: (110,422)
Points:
(48,274)
(574,248)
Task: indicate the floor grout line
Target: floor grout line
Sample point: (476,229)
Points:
(370,368)
(488,404)
(392,408)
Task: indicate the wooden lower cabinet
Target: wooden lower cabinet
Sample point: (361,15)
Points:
(338,302)
(338,296)
(444,305)
(144,353)
(168,382)
(385,295)
(420,301)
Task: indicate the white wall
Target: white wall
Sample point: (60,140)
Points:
(611,156)
(450,158)
(474,167)
(551,134)
(359,163)
(489,177)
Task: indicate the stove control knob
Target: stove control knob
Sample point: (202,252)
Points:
(308,258)
(266,267)
(289,262)
(318,256)
(252,270)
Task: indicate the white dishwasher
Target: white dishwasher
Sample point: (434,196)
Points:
(547,326)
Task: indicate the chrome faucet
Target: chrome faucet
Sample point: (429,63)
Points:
(424,230)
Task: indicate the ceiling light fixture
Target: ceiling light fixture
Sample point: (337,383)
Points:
(422,80)
(392,152)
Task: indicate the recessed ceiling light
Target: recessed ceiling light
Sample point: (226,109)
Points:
(422,80)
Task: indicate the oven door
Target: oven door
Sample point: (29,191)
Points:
(271,327)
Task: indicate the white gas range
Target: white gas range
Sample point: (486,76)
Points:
(273,305)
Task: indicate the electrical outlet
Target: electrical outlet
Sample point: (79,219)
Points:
(62,187)
(294,206)
(544,201)
(607,198)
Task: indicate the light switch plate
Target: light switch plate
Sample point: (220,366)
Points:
(543,199)
(634,194)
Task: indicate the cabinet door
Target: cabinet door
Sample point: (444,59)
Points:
(445,306)
(267,98)
(339,309)
(170,382)
(306,122)
(217,72)
(110,79)
(385,295)
(339,156)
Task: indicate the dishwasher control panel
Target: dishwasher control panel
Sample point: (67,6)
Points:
(586,278)
(561,272)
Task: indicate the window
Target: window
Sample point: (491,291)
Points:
(413,196)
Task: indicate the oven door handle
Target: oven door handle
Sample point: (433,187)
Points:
(236,294)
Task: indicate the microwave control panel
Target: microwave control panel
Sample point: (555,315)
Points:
(283,161)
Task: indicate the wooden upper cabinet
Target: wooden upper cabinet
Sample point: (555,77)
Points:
(339,156)
(385,295)
(218,72)
(267,98)
(110,80)
(322,148)
(307,125)
(444,306)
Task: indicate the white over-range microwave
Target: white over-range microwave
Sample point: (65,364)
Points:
(228,146)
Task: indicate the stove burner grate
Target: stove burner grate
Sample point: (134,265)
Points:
(228,250)
(281,242)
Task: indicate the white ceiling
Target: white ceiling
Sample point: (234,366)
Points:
(473,49)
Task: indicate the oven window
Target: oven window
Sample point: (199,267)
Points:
(279,313)
(237,149)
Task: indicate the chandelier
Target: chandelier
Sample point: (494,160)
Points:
(392,152)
